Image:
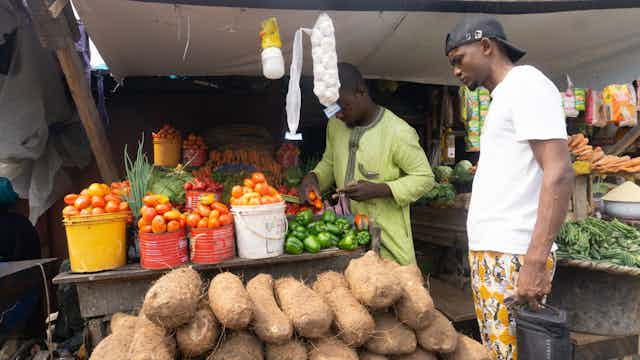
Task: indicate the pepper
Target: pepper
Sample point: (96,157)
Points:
(316,227)
(343,224)
(324,239)
(300,234)
(293,246)
(311,244)
(334,239)
(351,232)
(348,243)
(305,217)
(329,216)
(334,229)
(362,222)
(363,238)
(293,224)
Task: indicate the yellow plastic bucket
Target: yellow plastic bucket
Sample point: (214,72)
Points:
(167,152)
(97,242)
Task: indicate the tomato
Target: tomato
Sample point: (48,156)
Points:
(146,229)
(213,223)
(112,207)
(312,195)
(97,201)
(172,214)
(214,214)
(116,185)
(207,199)
(273,191)
(84,193)
(158,225)
(97,211)
(234,201)
(246,190)
(82,202)
(141,223)
(236,191)
(222,208)
(95,190)
(278,199)
(85,212)
(258,178)
(70,210)
(266,200)
(148,213)
(193,219)
(249,183)
(183,222)
(203,223)
(111,197)
(188,186)
(162,208)
(162,199)
(150,200)
(254,201)
(262,189)
(204,210)
(124,206)
(70,199)
(173,226)
(226,219)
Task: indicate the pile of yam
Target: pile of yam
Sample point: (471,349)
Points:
(375,310)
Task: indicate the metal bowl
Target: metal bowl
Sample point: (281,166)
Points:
(622,210)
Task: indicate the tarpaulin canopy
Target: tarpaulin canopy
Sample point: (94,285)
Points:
(145,38)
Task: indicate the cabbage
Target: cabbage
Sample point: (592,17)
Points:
(462,172)
(443,173)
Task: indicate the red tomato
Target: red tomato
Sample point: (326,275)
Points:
(84,192)
(85,212)
(258,177)
(249,183)
(222,208)
(150,200)
(82,202)
(163,208)
(234,201)
(254,201)
(70,199)
(146,229)
(213,223)
(193,219)
(203,223)
(158,225)
(112,207)
(266,200)
(183,222)
(97,211)
(246,190)
(172,214)
(274,192)
(97,202)
(70,210)
(124,206)
(173,226)
(214,214)
(204,210)
(148,214)
(236,191)
(111,197)
(225,219)
(262,189)
(142,223)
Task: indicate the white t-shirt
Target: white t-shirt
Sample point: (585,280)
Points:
(525,106)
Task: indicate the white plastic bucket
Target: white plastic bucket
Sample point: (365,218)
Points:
(260,230)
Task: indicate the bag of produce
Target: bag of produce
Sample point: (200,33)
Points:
(620,104)
(594,113)
(569,100)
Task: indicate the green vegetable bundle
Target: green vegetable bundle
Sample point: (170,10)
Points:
(599,240)
(170,182)
(441,195)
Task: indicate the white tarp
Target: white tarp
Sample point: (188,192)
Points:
(596,47)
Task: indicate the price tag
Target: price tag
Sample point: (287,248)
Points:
(331,110)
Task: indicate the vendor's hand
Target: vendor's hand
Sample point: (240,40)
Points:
(309,183)
(534,283)
(364,190)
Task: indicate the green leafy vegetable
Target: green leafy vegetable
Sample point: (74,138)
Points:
(170,182)
(443,173)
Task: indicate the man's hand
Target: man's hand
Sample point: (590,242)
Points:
(364,190)
(308,184)
(534,282)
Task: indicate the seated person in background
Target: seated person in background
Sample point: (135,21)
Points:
(19,240)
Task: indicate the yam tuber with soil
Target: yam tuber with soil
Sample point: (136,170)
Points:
(121,322)
(310,315)
(200,335)
(371,283)
(240,345)
(230,301)
(331,348)
(173,299)
(355,324)
(440,336)
(469,349)
(291,350)
(116,346)
(270,324)
(415,308)
(365,355)
(391,337)
(418,355)
(151,342)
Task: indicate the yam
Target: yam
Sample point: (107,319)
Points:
(240,345)
(151,342)
(365,355)
(230,301)
(173,299)
(469,349)
(371,283)
(419,354)
(113,347)
(331,348)
(353,320)
(200,334)
(291,350)
(270,324)
(121,322)
(310,315)
(439,336)
(391,337)
(415,308)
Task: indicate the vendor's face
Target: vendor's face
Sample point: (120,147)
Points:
(351,108)
(470,64)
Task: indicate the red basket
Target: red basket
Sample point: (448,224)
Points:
(163,251)
(192,198)
(212,246)
(197,157)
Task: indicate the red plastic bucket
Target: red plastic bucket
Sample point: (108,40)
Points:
(163,251)
(195,158)
(212,246)
(192,198)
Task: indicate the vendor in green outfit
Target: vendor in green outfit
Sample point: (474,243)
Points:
(375,158)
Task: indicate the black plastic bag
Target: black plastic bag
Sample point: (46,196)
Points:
(542,334)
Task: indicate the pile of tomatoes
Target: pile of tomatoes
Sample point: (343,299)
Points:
(158,216)
(209,214)
(167,132)
(97,199)
(256,191)
(193,142)
(207,185)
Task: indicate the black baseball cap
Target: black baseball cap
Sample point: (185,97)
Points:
(474,28)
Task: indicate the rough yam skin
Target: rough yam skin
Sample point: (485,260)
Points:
(391,337)
(291,350)
(332,349)
(355,323)
(270,324)
(113,347)
(415,308)
(200,335)
(121,322)
(418,355)
(440,336)
(469,349)
(310,315)
(230,301)
(173,299)
(371,283)
(240,345)
(365,355)
(151,342)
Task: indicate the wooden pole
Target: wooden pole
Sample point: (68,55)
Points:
(81,91)
(619,147)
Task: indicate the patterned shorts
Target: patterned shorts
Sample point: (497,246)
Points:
(494,277)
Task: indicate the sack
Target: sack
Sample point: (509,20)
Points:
(569,100)
(620,104)
(542,334)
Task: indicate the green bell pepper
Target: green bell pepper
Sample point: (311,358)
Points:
(293,246)
(343,224)
(300,234)
(293,224)
(334,239)
(329,216)
(334,229)
(316,227)
(351,232)
(304,217)
(324,238)
(311,244)
(363,238)
(348,243)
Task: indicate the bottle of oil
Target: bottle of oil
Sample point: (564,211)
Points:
(448,147)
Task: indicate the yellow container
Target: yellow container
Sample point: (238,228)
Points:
(167,152)
(97,242)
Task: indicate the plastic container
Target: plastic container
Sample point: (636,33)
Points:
(260,230)
(97,242)
(212,246)
(272,63)
(163,251)
(166,152)
(192,198)
(193,157)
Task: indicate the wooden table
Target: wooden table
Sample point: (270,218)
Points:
(443,227)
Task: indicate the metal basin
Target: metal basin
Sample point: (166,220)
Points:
(622,210)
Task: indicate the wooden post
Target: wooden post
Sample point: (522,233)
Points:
(581,197)
(619,147)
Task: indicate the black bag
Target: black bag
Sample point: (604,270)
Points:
(542,334)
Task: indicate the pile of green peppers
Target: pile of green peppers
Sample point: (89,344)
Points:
(311,236)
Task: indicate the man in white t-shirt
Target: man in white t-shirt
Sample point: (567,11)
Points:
(523,183)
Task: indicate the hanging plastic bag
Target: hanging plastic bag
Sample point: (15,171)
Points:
(620,104)
(594,113)
(580,94)
(569,100)
(293,94)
